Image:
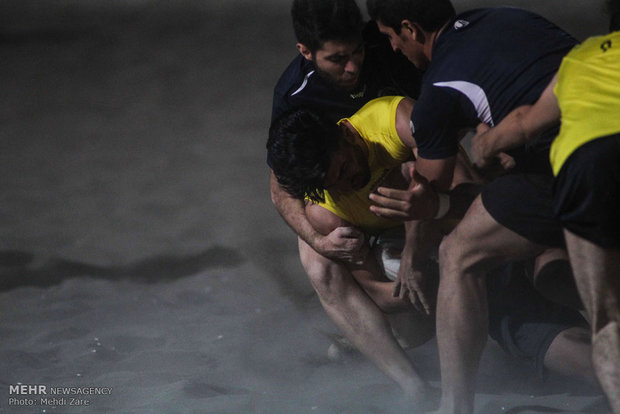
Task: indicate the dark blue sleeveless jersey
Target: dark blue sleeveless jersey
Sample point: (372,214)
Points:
(486,63)
(383,73)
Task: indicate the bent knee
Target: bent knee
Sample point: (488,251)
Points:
(457,254)
(326,276)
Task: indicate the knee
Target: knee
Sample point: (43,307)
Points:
(603,309)
(324,274)
(606,346)
(454,254)
(461,254)
(604,323)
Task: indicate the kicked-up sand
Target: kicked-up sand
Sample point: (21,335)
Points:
(143,268)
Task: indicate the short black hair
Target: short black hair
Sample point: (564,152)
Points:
(318,21)
(299,150)
(431,15)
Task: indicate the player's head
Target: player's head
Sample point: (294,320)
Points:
(407,23)
(329,33)
(613,7)
(309,153)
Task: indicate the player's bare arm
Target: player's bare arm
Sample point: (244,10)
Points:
(343,243)
(366,273)
(519,127)
(421,200)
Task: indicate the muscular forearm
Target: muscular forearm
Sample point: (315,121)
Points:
(330,236)
(414,279)
(293,212)
(510,133)
(524,123)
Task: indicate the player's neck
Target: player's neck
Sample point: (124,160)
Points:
(433,37)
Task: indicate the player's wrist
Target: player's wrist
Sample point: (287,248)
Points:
(320,243)
(314,239)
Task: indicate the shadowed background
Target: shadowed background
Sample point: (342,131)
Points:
(138,245)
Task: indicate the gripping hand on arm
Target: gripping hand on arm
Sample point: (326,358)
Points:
(418,202)
(518,127)
(485,151)
(343,243)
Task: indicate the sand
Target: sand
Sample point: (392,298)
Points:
(139,251)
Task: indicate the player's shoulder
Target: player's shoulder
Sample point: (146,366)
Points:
(294,75)
(595,46)
(486,24)
(297,86)
(493,14)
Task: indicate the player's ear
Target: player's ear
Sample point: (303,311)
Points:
(304,51)
(412,30)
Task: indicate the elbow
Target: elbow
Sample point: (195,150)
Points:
(525,131)
(276,191)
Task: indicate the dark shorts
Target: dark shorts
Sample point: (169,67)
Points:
(521,320)
(587,192)
(522,202)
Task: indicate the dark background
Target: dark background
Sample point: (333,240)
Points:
(138,245)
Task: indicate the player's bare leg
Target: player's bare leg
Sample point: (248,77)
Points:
(360,320)
(474,247)
(570,354)
(597,273)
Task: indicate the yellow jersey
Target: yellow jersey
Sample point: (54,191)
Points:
(588,94)
(376,124)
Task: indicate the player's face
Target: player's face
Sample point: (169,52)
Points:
(340,62)
(405,43)
(348,169)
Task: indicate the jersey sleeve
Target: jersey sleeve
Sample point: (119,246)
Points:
(436,119)
(279,105)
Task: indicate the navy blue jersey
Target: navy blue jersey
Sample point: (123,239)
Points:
(383,73)
(486,63)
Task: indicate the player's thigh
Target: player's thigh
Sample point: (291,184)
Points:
(324,274)
(480,242)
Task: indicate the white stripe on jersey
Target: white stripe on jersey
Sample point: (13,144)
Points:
(476,95)
(304,83)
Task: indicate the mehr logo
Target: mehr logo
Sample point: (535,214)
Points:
(25,389)
(459,24)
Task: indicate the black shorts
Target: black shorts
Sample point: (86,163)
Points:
(522,202)
(533,158)
(521,320)
(586,195)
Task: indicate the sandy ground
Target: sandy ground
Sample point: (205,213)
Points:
(139,249)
